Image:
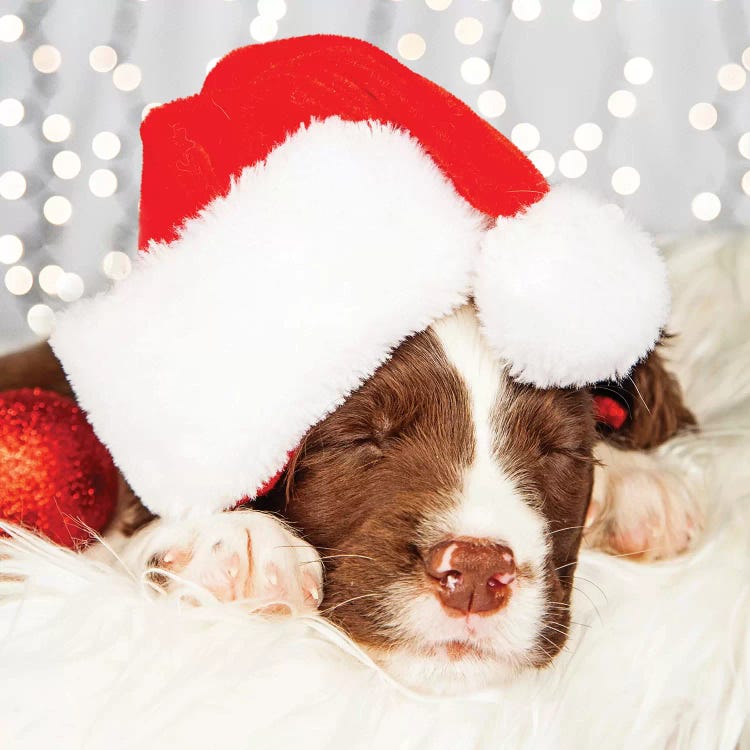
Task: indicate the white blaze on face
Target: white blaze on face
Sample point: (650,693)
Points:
(490,506)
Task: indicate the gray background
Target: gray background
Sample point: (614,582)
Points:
(555,72)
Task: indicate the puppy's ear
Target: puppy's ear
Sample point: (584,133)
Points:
(656,407)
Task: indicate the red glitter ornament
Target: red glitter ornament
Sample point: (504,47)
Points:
(55,475)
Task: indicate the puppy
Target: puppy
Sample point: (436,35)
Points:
(455,500)
(448,503)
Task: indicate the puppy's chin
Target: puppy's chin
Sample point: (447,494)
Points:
(453,668)
(436,649)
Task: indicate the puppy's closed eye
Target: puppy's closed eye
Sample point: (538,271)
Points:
(369,429)
(383,428)
(572,452)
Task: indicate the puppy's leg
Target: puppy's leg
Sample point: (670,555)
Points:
(235,556)
(641,505)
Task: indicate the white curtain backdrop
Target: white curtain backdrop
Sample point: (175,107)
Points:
(644,101)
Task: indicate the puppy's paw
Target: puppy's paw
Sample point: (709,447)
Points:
(243,556)
(639,507)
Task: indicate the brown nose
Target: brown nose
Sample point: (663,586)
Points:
(471,575)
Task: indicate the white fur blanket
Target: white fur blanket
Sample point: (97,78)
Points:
(660,657)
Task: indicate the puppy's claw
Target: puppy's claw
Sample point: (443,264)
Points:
(273,579)
(233,570)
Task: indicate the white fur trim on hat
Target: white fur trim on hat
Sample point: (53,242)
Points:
(206,366)
(569,291)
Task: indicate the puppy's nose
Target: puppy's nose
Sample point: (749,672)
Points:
(471,575)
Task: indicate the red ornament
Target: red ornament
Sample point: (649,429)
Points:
(56,477)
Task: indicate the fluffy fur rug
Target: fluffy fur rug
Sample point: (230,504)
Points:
(659,658)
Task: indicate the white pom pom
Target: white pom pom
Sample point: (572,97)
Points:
(570,292)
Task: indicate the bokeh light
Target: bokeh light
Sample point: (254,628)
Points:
(731,77)
(41,320)
(622,103)
(411,46)
(18,280)
(543,161)
(66,165)
(11,112)
(11,248)
(103,183)
(587,10)
(48,278)
(127,77)
(638,71)
(525,136)
(263,28)
(468,30)
(46,58)
(702,116)
(11,28)
(491,103)
(70,287)
(706,206)
(475,70)
(102,58)
(588,136)
(105,145)
(626,180)
(57,210)
(526,10)
(12,185)
(116,265)
(56,128)
(572,164)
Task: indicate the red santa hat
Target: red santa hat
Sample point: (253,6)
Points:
(314,205)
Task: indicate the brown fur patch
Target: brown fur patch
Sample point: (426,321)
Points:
(544,440)
(394,455)
(391,456)
(658,410)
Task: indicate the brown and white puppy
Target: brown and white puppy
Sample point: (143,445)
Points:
(448,503)
(455,500)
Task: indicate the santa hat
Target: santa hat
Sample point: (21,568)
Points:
(314,205)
